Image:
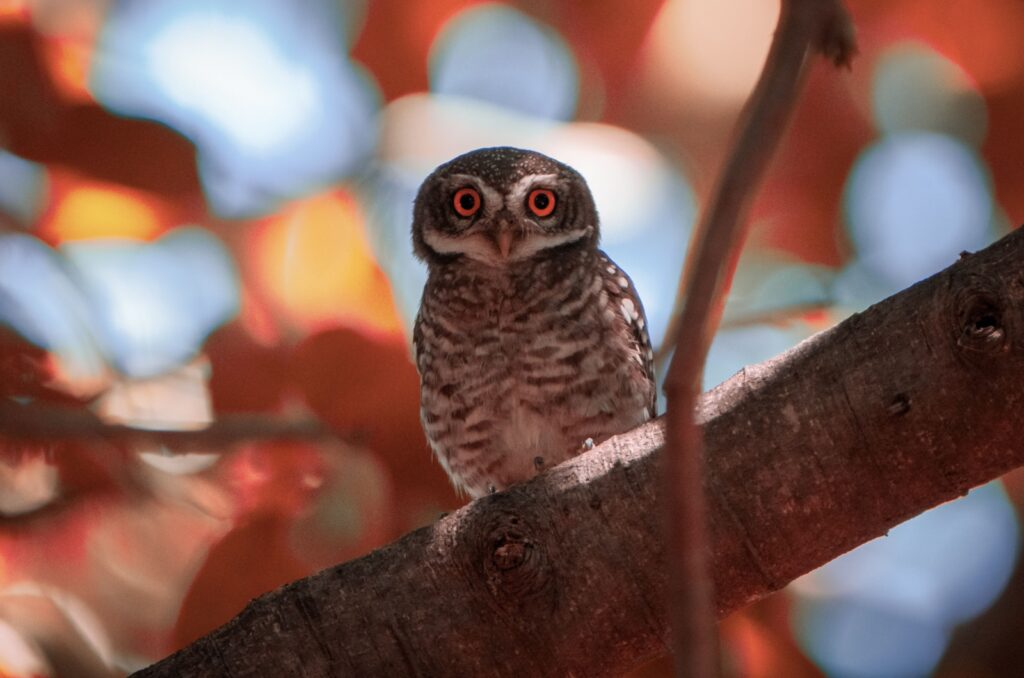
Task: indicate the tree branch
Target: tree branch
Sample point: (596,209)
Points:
(804,26)
(897,409)
(44,423)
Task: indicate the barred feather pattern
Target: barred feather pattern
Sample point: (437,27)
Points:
(521,365)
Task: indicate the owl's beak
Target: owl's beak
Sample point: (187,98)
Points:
(504,240)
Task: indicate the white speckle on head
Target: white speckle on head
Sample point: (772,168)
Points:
(611,270)
(628,310)
(516,197)
(640,323)
(623,283)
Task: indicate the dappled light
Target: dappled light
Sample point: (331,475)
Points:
(205,213)
(916,88)
(272,106)
(910,588)
(22,187)
(711,49)
(470,58)
(314,261)
(86,212)
(914,202)
(153,304)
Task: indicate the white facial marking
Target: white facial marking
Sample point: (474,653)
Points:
(623,283)
(480,247)
(517,195)
(535,242)
(491,198)
(475,246)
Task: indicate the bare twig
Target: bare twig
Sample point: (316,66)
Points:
(44,423)
(820,25)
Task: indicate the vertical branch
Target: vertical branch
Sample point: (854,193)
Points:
(819,25)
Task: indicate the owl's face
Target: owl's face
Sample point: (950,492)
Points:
(503,205)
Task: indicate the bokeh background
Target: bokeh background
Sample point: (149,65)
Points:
(204,213)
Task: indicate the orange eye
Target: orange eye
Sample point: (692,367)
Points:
(541,202)
(466,202)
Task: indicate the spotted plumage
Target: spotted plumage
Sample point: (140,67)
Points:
(529,341)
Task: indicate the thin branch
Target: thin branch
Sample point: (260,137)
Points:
(41,423)
(804,25)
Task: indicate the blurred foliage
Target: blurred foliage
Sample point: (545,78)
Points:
(204,212)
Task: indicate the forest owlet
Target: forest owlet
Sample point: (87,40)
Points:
(529,341)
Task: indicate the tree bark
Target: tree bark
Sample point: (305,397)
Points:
(895,410)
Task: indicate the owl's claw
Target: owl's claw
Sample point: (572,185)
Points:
(538,464)
(491,489)
(588,445)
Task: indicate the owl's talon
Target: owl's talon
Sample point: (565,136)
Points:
(491,489)
(588,444)
(538,463)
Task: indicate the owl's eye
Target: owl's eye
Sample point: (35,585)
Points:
(541,202)
(466,202)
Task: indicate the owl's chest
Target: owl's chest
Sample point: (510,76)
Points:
(507,377)
(517,334)
(516,340)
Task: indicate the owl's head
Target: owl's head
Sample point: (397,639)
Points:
(502,205)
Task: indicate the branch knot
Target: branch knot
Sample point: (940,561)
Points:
(511,551)
(516,567)
(980,328)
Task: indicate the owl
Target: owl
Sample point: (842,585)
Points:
(531,343)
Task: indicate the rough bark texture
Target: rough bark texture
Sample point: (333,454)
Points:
(897,409)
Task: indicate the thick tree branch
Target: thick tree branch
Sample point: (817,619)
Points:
(897,409)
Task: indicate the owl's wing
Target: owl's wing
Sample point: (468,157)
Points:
(621,290)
